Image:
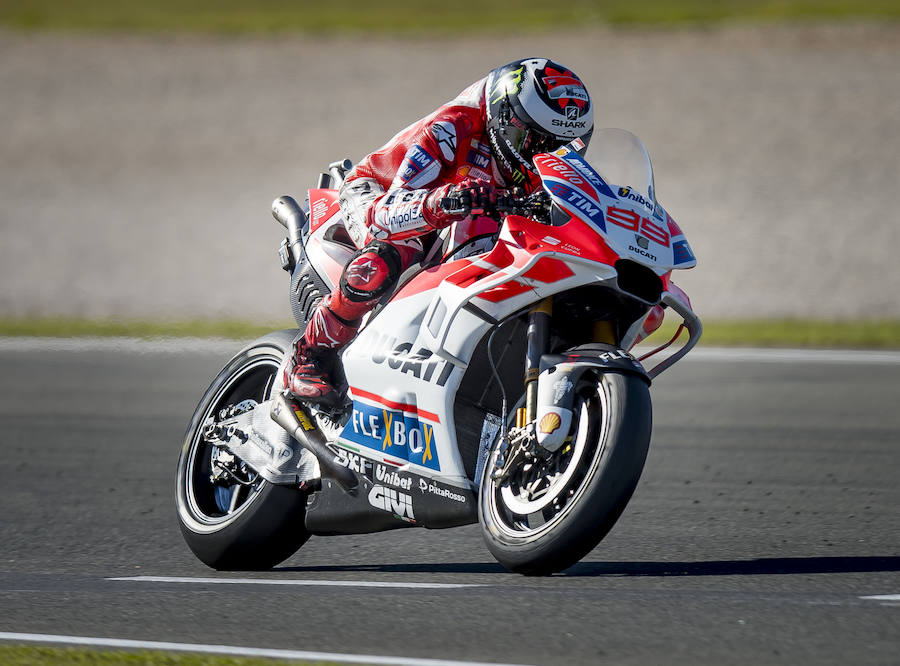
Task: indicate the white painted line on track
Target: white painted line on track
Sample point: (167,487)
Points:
(234,651)
(883,597)
(301,582)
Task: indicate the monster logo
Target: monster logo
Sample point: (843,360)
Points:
(507,83)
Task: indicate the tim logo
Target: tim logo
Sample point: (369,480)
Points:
(392,501)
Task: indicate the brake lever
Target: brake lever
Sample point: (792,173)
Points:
(457,205)
(506,204)
(513,202)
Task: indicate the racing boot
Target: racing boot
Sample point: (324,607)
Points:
(309,375)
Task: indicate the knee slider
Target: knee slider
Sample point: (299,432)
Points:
(371,273)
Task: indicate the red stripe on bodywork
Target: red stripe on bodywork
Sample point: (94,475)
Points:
(549,270)
(399,406)
(504,291)
(430,279)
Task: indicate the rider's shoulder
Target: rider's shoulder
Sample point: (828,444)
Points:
(471,97)
(461,117)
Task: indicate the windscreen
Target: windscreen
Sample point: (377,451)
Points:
(621,160)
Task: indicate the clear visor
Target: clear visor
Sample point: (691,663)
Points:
(528,142)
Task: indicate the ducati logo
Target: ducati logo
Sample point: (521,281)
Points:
(565,88)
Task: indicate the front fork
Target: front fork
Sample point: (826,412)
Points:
(538,345)
(522,440)
(519,441)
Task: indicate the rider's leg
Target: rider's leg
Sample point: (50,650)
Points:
(369,275)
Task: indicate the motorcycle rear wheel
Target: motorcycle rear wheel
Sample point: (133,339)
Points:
(248,524)
(544,517)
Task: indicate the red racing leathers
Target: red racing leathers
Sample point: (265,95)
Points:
(385,197)
(389,200)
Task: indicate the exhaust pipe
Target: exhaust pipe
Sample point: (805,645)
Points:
(299,424)
(289,215)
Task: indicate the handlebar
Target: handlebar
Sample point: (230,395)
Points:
(514,202)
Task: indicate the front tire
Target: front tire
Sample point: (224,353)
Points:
(240,522)
(545,516)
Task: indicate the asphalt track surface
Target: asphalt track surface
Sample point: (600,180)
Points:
(767,514)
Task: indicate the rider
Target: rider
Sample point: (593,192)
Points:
(482,141)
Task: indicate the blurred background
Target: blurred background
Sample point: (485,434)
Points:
(142,143)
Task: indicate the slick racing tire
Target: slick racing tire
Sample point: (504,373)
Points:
(545,516)
(240,522)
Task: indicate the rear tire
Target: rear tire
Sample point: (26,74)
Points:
(537,525)
(248,526)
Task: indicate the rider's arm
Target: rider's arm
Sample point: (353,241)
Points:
(420,164)
(411,206)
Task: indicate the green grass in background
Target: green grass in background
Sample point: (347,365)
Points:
(392,16)
(873,334)
(880,334)
(787,333)
(63,327)
(15,655)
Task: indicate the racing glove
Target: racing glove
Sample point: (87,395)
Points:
(452,203)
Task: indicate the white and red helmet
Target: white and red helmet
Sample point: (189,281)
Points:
(534,106)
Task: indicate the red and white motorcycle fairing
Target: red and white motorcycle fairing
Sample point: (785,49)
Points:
(425,440)
(406,364)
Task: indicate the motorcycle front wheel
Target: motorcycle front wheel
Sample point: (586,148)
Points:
(234,519)
(545,515)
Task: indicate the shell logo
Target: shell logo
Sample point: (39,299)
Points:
(549,423)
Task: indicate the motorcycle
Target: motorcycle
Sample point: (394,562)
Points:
(494,385)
